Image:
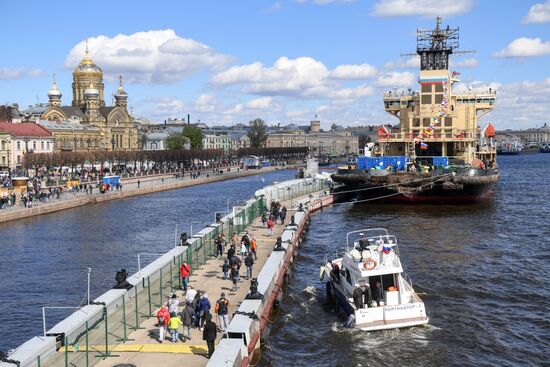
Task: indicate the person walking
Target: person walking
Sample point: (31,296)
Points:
(204,307)
(190,295)
(253,246)
(222,309)
(231,252)
(282,214)
(184,274)
(270,225)
(187,320)
(173,326)
(264,219)
(139,183)
(219,246)
(225,268)
(163,316)
(234,277)
(173,304)
(235,239)
(209,334)
(249,262)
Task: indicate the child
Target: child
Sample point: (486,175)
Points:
(225,268)
(173,326)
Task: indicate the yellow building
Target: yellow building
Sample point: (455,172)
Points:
(105,127)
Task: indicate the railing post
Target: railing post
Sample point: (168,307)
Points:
(66,352)
(160,290)
(171,279)
(149,293)
(124,316)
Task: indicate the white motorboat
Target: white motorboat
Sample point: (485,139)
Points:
(372,262)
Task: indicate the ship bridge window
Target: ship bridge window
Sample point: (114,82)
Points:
(426,122)
(438,98)
(439,88)
(426,99)
(416,122)
(448,121)
(426,88)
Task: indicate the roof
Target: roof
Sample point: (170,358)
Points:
(105,111)
(65,125)
(72,111)
(157,136)
(25,129)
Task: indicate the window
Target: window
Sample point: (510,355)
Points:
(438,98)
(33,145)
(426,122)
(448,121)
(426,88)
(416,122)
(18,145)
(42,145)
(439,88)
(48,145)
(18,159)
(426,99)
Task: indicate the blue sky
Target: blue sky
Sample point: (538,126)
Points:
(231,61)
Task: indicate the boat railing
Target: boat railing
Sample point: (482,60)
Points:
(384,232)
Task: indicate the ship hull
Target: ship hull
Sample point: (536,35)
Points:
(416,188)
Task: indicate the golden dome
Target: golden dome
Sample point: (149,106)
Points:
(87,67)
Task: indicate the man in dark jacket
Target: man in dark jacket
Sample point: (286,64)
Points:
(249,262)
(368,295)
(231,253)
(358,296)
(378,293)
(209,334)
(187,320)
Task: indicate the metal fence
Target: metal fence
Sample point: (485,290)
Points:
(109,325)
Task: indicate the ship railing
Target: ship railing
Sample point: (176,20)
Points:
(437,135)
(374,231)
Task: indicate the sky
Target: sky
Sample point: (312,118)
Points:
(225,62)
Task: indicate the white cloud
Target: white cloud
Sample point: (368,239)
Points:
(426,8)
(412,62)
(525,47)
(396,79)
(363,71)
(19,73)
(206,103)
(260,103)
(539,13)
(275,7)
(302,77)
(465,63)
(157,56)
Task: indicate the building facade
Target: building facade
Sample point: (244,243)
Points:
(535,135)
(118,129)
(318,142)
(73,137)
(215,141)
(16,140)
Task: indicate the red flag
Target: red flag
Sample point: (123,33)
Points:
(383,132)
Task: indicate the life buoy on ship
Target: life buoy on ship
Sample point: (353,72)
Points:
(369,264)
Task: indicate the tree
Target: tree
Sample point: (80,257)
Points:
(176,141)
(257,133)
(194,133)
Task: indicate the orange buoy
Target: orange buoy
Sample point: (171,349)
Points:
(369,264)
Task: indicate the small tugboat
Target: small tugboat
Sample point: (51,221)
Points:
(368,283)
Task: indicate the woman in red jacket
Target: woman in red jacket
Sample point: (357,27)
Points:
(185,269)
(163,316)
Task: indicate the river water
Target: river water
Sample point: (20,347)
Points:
(44,259)
(482,269)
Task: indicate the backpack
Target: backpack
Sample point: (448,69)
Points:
(161,320)
(222,310)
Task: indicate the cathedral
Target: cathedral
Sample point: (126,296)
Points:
(117,128)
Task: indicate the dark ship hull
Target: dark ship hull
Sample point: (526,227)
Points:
(470,186)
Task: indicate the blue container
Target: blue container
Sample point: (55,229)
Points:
(440,161)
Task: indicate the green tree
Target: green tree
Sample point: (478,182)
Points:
(176,141)
(195,135)
(257,133)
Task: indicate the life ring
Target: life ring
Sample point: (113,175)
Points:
(369,264)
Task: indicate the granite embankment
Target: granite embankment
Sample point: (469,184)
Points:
(44,208)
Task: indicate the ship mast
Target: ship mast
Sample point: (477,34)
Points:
(435,46)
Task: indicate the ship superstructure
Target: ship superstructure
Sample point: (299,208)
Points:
(457,135)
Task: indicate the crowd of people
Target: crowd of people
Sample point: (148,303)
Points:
(195,310)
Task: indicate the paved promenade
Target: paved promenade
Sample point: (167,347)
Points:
(130,188)
(209,278)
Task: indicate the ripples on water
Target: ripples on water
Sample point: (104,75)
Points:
(44,258)
(483,268)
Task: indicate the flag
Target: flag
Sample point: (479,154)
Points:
(423,146)
(386,250)
(383,132)
(455,73)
